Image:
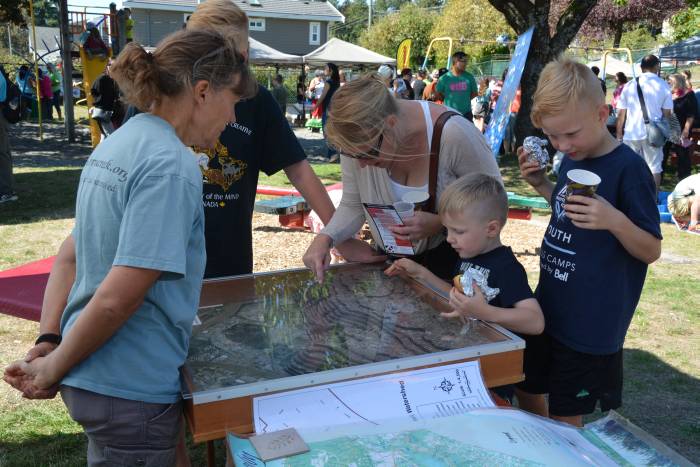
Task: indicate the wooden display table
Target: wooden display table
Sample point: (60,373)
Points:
(279,331)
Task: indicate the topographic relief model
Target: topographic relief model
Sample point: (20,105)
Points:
(293,326)
(423,448)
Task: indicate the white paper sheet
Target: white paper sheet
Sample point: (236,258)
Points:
(415,395)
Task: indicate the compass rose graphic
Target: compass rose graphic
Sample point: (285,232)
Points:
(446,385)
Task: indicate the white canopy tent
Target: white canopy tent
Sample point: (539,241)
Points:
(344,53)
(613,66)
(263,54)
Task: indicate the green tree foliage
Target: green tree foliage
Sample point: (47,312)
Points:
(17,12)
(635,39)
(686,23)
(429,3)
(356,13)
(489,50)
(382,7)
(410,22)
(45,13)
(18,39)
(471,22)
(11,11)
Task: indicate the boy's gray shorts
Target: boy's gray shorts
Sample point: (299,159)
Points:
(125,432)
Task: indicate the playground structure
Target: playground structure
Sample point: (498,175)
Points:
(450,46)
(92,68)
(73,26)
(108,26)
(625,50)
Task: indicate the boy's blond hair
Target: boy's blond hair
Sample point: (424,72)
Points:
(564,82)
(679,206)
(480,191)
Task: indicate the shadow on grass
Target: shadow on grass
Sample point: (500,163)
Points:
(53,151)
(69,450)
(663,401)
(198,452)
(60,449)
(510,172)
(42,195)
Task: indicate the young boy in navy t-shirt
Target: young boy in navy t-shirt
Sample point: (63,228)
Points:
(594,254)
(474,209)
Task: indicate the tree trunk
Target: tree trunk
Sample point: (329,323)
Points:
(545,46)
(618,35)
(539,55)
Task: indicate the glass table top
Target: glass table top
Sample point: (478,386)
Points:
(264,327)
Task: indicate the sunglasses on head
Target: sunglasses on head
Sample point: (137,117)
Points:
(370,154)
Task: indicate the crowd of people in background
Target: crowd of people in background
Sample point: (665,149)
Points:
(50,85)
(669,101)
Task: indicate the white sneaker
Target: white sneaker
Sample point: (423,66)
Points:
(8,197)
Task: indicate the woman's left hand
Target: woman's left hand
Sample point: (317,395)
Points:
(35,379)
(420,225)
(43,371)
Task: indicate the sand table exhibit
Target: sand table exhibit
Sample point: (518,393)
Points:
(285,324)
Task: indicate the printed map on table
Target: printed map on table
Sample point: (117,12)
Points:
(503,437)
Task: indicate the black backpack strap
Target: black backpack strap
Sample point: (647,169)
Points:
(642,103)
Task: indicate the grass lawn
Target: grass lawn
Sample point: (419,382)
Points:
(328,173)
(662,358)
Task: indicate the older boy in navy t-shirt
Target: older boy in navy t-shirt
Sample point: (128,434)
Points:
(594,254)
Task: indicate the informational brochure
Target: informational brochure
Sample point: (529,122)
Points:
(425,394)
(383,217)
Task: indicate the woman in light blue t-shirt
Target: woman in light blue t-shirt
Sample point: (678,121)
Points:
(124,289)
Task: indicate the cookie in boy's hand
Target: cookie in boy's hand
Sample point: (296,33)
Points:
(457,282)
(536,149)
(473,277)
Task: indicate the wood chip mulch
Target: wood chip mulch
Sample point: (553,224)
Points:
(276,247)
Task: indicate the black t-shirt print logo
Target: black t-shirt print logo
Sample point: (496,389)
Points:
(218,167)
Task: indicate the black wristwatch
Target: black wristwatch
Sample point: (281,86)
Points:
(48,337)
